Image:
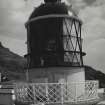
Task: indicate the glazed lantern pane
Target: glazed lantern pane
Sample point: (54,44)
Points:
(71,40)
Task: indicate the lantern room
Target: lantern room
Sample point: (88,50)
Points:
(54,36)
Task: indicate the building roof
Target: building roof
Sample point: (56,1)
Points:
(52,8)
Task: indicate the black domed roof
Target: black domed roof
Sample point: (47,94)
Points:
(50,8)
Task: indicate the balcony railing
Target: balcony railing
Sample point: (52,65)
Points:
(48,93)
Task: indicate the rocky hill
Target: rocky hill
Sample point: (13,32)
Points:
(11,64)
(92,74)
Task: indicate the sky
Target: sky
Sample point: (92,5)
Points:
(14,14)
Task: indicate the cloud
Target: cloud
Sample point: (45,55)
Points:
(96,55)
(13,15)
(99,3)
(93,32)
(77,4)
(8,26)
(89,2)
(16,45)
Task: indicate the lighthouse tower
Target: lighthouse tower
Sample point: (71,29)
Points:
(55,58)
(55,44)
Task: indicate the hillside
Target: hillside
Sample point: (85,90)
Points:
(92,74)
(11,64)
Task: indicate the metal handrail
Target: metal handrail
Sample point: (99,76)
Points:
(56,92)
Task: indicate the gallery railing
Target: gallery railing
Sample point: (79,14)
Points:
(48,93)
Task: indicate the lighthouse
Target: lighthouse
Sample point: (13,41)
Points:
(55,58)
(54,43)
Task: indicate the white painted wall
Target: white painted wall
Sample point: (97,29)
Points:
(75,77)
